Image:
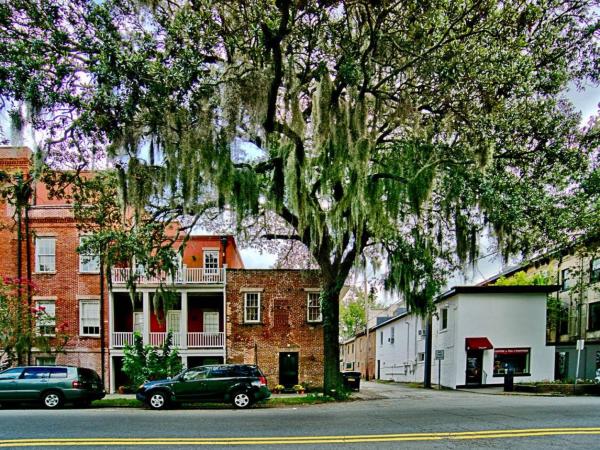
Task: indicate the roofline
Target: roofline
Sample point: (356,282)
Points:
(531,289)
(534,289)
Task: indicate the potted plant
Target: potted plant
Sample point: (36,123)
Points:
(278,388)
(299,388)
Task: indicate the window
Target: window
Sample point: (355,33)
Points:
(46,322)
(348,366)
(392,335)
(594,314)
(513,359)
(198,373)
(252,307)
(211,261)
(381,338)
(89,317)
(34,373)
(566,280)
(595,270)
(314,307)
(45,361)
(88,262)
(443,318)
(11,374)
(211,322)
(421,356)
(45,252)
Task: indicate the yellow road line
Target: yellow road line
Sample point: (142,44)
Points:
(288,440)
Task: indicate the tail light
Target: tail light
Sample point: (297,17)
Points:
(263,381)
(77,384)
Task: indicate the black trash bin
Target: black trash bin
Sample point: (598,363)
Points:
(351,380)
(509,381)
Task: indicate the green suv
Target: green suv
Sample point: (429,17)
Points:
(239,384)
(50,385)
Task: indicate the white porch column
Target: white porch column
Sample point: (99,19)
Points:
(111,320)
(146,313)
(183,325)
(224,323)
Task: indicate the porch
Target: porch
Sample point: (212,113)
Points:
(183,276)
(195,320)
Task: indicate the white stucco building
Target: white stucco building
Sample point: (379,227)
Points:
(484,331)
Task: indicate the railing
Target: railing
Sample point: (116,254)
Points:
(158,339)
(205,340)
(182,276)
(120,338)
(194,340)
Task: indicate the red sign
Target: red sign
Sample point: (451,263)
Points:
(511,351)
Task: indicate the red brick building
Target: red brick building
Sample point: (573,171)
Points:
(222,312)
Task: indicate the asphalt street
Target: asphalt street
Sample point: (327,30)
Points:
(390,416)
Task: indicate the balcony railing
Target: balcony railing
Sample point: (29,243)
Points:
(194,340)
(182,276)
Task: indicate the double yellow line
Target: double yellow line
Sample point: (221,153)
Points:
(298,440)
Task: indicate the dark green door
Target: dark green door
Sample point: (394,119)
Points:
(192,385)
(8,383)
(288,368)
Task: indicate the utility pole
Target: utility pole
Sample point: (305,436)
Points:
(367,323)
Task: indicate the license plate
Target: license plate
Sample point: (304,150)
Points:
(94,386)
(351,379)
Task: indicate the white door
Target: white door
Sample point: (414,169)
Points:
(211,321)
(174,325)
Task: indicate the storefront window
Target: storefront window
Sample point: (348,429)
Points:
(513,359)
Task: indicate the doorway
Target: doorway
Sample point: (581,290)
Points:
(474,367)
(288,368)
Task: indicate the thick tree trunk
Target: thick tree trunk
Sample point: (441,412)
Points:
(332,381)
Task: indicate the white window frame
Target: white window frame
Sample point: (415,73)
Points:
(38,254)
(442,312)
(246,306)
(86,260)
(213,253)
(49,304)
(82,318)
(311,307)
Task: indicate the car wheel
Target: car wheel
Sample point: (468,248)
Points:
(52,399)
(241,399)
(158,400)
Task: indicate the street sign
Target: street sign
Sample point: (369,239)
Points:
(580,344)
(439,355)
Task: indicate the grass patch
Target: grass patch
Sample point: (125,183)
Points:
(116,403)
(310,399)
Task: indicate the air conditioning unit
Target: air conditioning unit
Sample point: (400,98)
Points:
(421,332)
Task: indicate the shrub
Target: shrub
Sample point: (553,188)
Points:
(144,362)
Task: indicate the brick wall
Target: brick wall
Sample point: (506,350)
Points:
(283,326)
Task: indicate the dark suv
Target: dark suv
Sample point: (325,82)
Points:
(50,385)
(240,384)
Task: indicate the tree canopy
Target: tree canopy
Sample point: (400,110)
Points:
(406,127)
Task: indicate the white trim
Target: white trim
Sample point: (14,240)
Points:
(252,289)
(89,301)
(312,290)
(246,320)
(308,309)
(52,255)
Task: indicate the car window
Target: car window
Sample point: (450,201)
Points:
(195,374)
(88,375)
(11,374)
(33,373)
(220,372)
(58,372)
(243,371)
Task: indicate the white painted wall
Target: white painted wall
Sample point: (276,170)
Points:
(508,320)
(399,359)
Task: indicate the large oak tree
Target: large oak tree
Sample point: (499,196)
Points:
(408,127)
